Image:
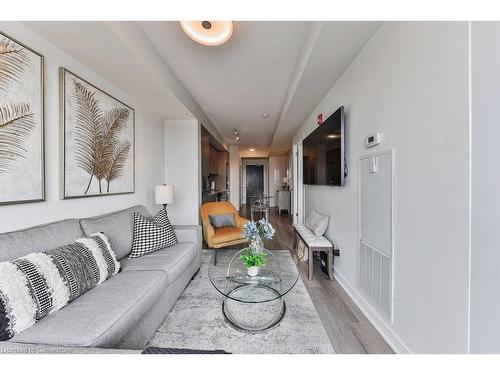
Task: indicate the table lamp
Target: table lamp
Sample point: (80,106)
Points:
(164,194)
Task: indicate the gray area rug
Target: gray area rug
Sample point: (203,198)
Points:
(196,322)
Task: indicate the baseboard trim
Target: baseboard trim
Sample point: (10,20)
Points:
(380,325)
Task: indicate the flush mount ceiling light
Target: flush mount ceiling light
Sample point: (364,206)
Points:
(208,33)
(251,149)
(265,115)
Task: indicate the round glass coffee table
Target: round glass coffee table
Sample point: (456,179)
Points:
(253,303)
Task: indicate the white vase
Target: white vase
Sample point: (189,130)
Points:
(252,271)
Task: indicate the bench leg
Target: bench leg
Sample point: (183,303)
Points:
(310,262)
(330,264)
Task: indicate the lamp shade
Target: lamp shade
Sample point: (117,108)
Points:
(164,194)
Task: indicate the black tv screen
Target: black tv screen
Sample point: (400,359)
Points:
(323,152)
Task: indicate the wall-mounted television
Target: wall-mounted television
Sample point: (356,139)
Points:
(323,153)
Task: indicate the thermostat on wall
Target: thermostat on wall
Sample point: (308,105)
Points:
(373,139)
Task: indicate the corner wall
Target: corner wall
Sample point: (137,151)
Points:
(149,166)
(485,184)
(182,169)
(409,82)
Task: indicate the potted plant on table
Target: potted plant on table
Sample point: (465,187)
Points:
(254,256)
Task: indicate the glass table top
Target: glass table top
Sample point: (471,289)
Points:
(274,280)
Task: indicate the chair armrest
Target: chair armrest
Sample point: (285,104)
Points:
(240,221)
(189,233)
(208,232)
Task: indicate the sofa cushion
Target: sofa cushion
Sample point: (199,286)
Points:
(118,227)
(104,316)
(44,237)
(173,261)
(227,234)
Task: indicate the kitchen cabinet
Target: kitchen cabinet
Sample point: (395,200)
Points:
(283,200)
(205,152)
(213,161)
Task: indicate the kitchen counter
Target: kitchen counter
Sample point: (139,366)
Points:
(214,196)
(207,193)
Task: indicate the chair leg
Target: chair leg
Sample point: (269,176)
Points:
(215,258)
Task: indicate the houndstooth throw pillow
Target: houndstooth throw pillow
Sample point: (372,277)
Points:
(151,235)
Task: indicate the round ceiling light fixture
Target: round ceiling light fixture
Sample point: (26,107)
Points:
(208,33)
(251,149)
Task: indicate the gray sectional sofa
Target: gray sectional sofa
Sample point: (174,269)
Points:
(124,311)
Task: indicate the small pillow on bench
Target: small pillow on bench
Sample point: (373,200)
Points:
(317,223)
(222,220)
(38,284)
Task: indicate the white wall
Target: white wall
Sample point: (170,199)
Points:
(234,176)
(182,169)
(411,83)
(149,167)
(485,184)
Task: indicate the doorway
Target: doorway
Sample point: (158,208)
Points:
(254,180)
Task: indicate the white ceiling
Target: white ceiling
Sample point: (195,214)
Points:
(239,81)
(279,68)
(102,49)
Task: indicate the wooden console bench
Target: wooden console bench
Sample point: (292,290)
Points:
(313,244)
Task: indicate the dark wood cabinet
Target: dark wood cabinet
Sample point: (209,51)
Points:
(205,152)
(213,158)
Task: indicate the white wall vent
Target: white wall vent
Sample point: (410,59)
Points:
(376,205)
(375,278)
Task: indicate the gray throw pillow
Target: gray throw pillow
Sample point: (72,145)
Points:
(222,220)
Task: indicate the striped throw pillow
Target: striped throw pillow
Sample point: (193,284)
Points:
(38,284)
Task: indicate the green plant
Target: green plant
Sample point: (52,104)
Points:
(251,258)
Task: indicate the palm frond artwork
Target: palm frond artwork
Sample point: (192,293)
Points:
(16,125)
(13,61)
(89,133)
(99,150)
(118,163)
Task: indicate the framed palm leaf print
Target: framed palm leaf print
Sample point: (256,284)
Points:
(98,140)
(21,123)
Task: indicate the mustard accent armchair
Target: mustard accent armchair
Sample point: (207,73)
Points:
(225,236)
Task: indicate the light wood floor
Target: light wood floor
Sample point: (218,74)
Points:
(348,329)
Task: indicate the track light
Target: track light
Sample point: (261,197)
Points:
(236,134)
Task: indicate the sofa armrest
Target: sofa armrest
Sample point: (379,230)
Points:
(189,233)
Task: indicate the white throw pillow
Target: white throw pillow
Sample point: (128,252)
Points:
(317,223)
(309,219)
